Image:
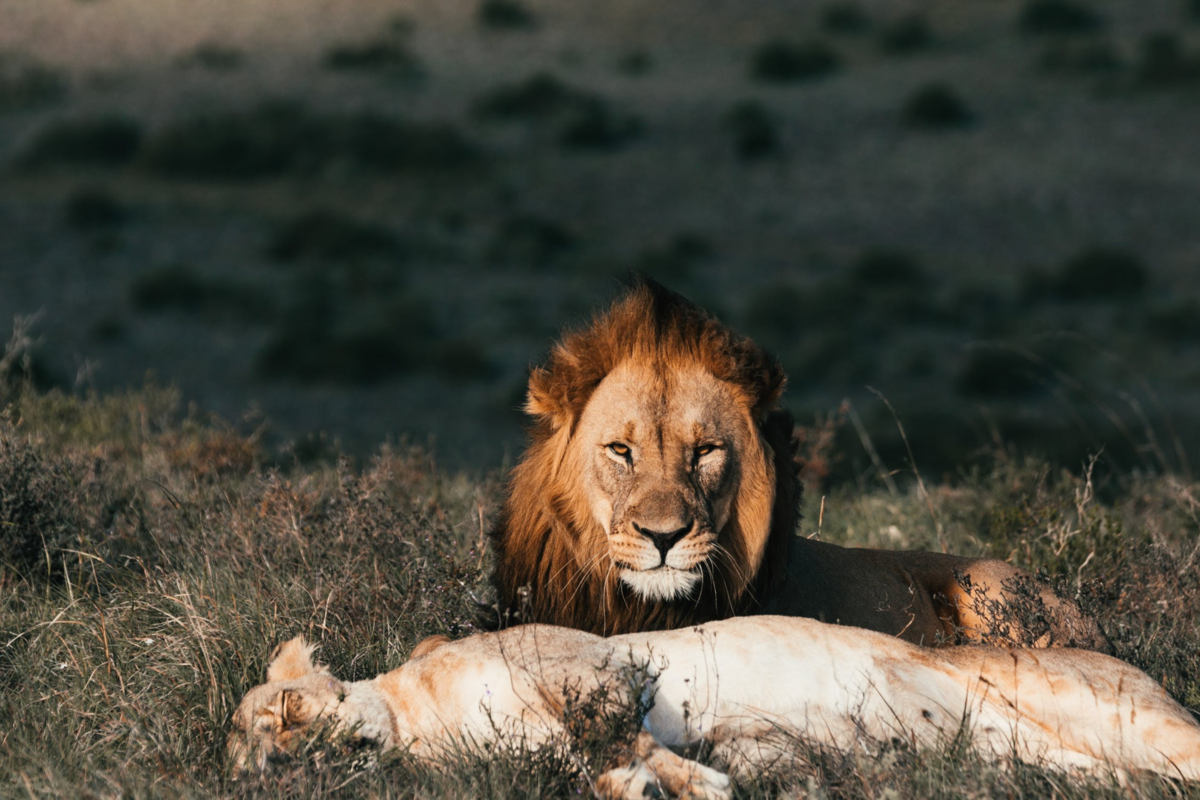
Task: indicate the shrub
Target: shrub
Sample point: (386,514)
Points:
(1162,62)
(674,260)
(374,56)
(782,61)
(596,126)
(895,268)
(506,15)
(1191,10)
(582,119)
(1101,273)
(26,86)
(215,57)
(1177,322)
(909,34)
(282,138)
(327,235)
(88,141)
(991,372)
(755,131)
(845,17)
(93,208)
(314,343)
(181,288)
(936,106)
(1100,56)
(530,239)
(539,97)
(635,63)
(1058,17)
(463,360)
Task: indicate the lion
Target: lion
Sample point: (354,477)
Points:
(745,690)
(659,490)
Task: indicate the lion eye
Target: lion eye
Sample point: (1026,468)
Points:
(704,450)
(622,450)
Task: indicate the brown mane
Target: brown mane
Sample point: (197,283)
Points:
(545,541)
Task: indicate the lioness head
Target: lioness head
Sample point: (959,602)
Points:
(657,477)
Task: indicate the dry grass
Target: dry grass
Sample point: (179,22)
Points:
(151,560)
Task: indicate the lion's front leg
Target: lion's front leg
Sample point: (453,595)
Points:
(654,770)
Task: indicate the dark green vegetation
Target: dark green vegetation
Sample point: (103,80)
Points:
(151,560)
(983,211)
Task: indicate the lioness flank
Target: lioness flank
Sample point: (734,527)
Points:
(747,687)
(659,490)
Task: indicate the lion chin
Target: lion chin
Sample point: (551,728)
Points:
(662,583)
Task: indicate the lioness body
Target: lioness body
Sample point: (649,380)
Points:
(659,490)
(743,685)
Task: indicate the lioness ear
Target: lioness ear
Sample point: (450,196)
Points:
(292,660)
(428,645)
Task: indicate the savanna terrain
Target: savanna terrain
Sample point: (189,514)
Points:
(276,271)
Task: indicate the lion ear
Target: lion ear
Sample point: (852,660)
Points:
(547,399)
(292,660)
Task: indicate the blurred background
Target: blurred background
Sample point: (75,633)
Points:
(344,222)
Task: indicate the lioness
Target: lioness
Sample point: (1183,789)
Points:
(659,490)
(746,687)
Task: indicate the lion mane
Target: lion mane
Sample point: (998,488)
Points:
(551,559)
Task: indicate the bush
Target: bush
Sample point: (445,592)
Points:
(374,56)
(282,138)
(1058,18)
(1176,323)
(1100,56)
(1162,62)
(327,235)
(92,208)
(1101,273)
(89,141)
(675,260)
(215,57)
(181,288)
(910,34)
(755,131)
(27,86)
(845,17)
(581,119)
(40,501)
(892,268)
(995,373)
(506,15)
(1191,10)
(782,61)
(936,106)
(635,63)
(528,239)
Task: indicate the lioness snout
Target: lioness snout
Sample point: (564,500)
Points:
(664,540)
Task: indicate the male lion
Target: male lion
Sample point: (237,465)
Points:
(659,490)
(747,687)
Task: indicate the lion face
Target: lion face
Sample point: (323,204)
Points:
(659,450)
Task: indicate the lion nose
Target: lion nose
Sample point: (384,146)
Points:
(664,540)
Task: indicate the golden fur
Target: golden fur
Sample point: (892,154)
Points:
(746,688)
(659,490)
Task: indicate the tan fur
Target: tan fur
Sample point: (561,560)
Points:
(746,688)
(656,375)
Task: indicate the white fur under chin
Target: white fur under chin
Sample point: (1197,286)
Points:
(664,583)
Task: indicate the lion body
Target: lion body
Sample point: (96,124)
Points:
(659,490)
(748,687)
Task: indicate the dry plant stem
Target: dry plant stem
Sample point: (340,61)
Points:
(869,446)
(912,462)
